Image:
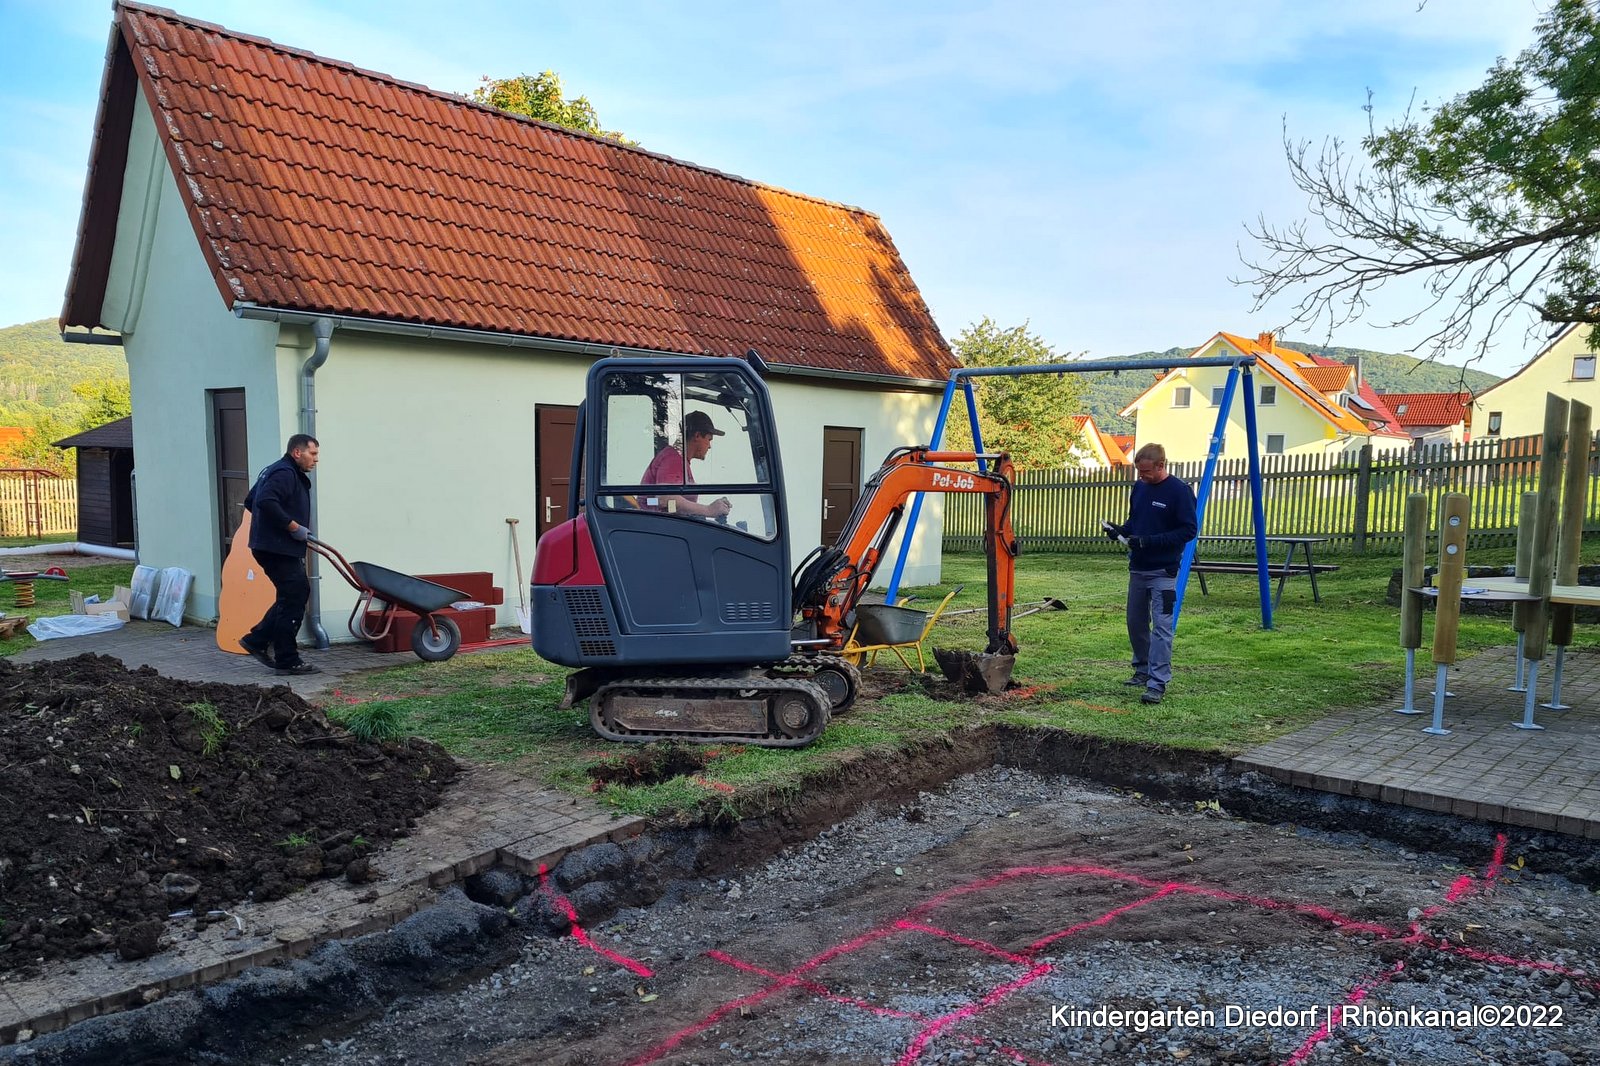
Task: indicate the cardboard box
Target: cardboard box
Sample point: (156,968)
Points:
(119,604)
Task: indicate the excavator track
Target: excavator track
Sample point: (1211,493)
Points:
(782,712)
(838,677)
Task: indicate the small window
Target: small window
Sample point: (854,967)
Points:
(1180,396)
(1269,395)
(1494,423)
(1274,443)
(1583,368)
(1401,409)
(1216,394)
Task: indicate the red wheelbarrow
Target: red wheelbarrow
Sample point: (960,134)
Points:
(434,638)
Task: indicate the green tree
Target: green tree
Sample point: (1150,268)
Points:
(105,400)
(539,97)
(1029,416)
(37,449)
(1492,199)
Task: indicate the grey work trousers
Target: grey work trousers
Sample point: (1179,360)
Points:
(1152,594)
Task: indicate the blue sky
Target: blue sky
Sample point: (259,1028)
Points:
(1087,166)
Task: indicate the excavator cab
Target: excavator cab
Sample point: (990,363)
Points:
(678,554)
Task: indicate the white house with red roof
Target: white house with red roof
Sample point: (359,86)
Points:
(283,242)
(1432,418)
(1305,405)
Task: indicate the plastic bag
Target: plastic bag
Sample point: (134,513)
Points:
(171,594)
(144,590)
(73,625)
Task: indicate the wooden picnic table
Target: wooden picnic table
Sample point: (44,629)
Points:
(1280,570)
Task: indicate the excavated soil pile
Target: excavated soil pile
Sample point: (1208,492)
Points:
(126,797)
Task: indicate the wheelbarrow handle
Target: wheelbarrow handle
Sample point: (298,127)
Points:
(338,561)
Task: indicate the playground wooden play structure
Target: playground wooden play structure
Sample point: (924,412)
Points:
(1544,590)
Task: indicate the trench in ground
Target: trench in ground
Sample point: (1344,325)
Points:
(996,916)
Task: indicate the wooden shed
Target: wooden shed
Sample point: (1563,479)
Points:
(105,483)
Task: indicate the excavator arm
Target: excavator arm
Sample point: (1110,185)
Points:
(832,581)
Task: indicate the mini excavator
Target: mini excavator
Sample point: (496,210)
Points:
(671,591)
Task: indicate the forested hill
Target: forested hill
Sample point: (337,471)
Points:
(1387,372)
(38,370)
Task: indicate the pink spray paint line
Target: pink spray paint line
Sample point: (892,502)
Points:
(937,1027)
(1325,1030)
(1458,889)
(1310,910)
(822,991)
(564,905)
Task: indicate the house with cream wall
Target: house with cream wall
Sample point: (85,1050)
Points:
(1514,407)
(1305,405)
(285,243)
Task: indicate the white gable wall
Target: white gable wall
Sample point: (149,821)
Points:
(180,341)
(888,420)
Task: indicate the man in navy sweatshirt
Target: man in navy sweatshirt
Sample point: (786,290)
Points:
(1161,520)
(280,517)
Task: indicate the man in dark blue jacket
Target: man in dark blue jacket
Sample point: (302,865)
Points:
(1161,520)
(280,523)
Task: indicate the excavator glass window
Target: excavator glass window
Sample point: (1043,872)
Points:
(687,446)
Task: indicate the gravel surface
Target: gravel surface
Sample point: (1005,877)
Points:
(960,928)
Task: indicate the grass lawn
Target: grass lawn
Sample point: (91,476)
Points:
(90,576)
(1235,685)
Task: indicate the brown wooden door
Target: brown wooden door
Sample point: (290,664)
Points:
(232,462)
(554,426)
(841,478)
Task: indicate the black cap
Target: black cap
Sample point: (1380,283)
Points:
(698,422)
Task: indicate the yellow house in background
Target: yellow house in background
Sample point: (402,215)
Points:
(1305,405)
(1514,407)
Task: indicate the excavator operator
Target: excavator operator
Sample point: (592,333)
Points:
(671,467)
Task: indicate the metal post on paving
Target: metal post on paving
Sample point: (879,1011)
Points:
(1453,513)
(1574,504)
(1541,563)
(1413,564)
(1519,610)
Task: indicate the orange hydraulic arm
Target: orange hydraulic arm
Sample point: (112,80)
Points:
(832,584)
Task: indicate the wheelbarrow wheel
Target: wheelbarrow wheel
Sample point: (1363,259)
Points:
(437,642)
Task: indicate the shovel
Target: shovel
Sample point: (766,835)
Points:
(523,619)
(1049,603)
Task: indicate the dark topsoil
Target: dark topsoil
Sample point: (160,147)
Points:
(126,797)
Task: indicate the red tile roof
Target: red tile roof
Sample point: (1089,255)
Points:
(1429,408)
(1327,378)
(316,186)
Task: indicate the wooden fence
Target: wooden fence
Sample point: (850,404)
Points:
(37,503)
(1356,501)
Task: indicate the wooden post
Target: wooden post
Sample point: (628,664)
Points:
(1541,561)
(1363,504)
(1413,562)
(1574,504)
(1519,610)
(1454,510)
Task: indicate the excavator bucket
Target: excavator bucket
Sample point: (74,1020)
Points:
(976,672)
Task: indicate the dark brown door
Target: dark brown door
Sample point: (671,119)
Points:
(232,459)
(554,426)
(841,478)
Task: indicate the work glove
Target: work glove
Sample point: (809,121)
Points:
(1112,530)
(1133,543)
(300,533)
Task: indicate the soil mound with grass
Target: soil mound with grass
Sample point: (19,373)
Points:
(127,797)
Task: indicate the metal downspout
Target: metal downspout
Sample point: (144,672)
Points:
(322,330)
